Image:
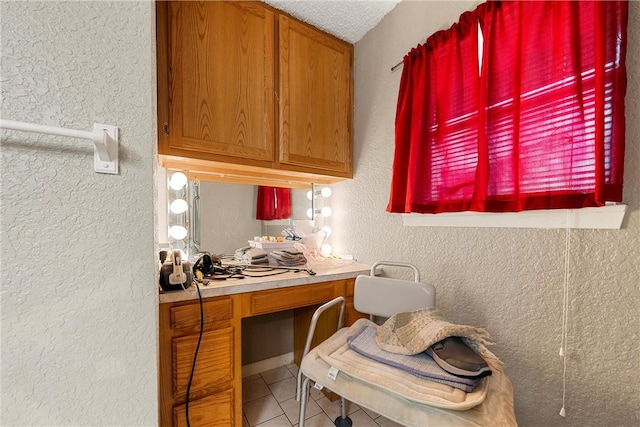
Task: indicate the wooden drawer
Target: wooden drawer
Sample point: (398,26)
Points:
(213,367)
(213,410)
(286,298)
(185,316)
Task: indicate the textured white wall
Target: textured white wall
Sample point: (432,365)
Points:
(78,260)
(507,280)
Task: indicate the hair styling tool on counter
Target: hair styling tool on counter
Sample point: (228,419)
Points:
(175,274)
(280,269)
(207,264)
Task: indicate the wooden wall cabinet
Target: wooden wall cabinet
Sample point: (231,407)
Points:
(249,94)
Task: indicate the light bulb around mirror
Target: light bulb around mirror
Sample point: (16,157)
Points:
(177,232)
(326,211)
(309,194)
(326,192)
(326,230)
(177,181)
(178,206)
(326,249)
(309,213)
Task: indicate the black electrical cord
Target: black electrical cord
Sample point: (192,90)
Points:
(195,355)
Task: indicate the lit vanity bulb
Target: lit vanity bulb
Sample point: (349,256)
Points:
(326,211)
(325,192)
(309,213)
(178,206)
(177,181)
(326,249)
(178,232)
(326,230)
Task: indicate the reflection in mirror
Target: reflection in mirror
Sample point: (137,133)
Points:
(228,216)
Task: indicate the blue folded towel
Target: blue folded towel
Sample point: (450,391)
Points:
(420,365)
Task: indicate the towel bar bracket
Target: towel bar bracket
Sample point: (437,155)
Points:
(105,155)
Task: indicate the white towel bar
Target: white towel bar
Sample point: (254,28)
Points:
(104,137)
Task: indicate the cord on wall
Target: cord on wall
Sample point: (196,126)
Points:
(565,311)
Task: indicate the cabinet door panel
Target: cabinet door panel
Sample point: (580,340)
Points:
(221,80)
(315,98)
(214,365)
(212,411)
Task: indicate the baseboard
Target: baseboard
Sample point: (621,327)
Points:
(267,364)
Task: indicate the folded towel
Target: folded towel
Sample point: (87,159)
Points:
(420,365)
(289,257)
(251,255)
(415,331)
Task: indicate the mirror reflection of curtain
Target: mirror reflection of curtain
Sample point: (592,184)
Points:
(273,203)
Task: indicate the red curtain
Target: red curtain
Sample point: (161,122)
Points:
(273,203)
(539,125)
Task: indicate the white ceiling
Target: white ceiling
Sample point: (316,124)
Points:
(348,20)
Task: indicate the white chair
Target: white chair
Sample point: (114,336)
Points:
(390,392)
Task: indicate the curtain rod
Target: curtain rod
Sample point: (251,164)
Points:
(104,138)
(398,65)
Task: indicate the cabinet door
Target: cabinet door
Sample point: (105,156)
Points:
(316,103)
(221,82)
(213,411)
(214,366)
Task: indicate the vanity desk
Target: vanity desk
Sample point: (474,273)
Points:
(216,386)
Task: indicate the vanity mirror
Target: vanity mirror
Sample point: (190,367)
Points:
(221,216)
(228,216)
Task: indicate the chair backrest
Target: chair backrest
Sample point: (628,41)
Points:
(384,297)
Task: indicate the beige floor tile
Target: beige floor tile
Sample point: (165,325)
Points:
(261,410)
(275,375)
(281,421)
(293,368)
(320,420)
(251,378)
(283,390)
(385,422)
(292,409)
(361,419)
(254,389)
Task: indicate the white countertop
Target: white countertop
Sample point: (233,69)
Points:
(333,270)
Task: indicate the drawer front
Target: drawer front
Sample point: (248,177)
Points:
(185,316)
(213,367)
(214,410)
(286,298)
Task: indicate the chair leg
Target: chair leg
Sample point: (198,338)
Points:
(343,420)
(298,384)
(304,395)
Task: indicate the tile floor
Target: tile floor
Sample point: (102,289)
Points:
(269,400)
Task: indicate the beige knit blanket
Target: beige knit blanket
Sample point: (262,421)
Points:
(415,331)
